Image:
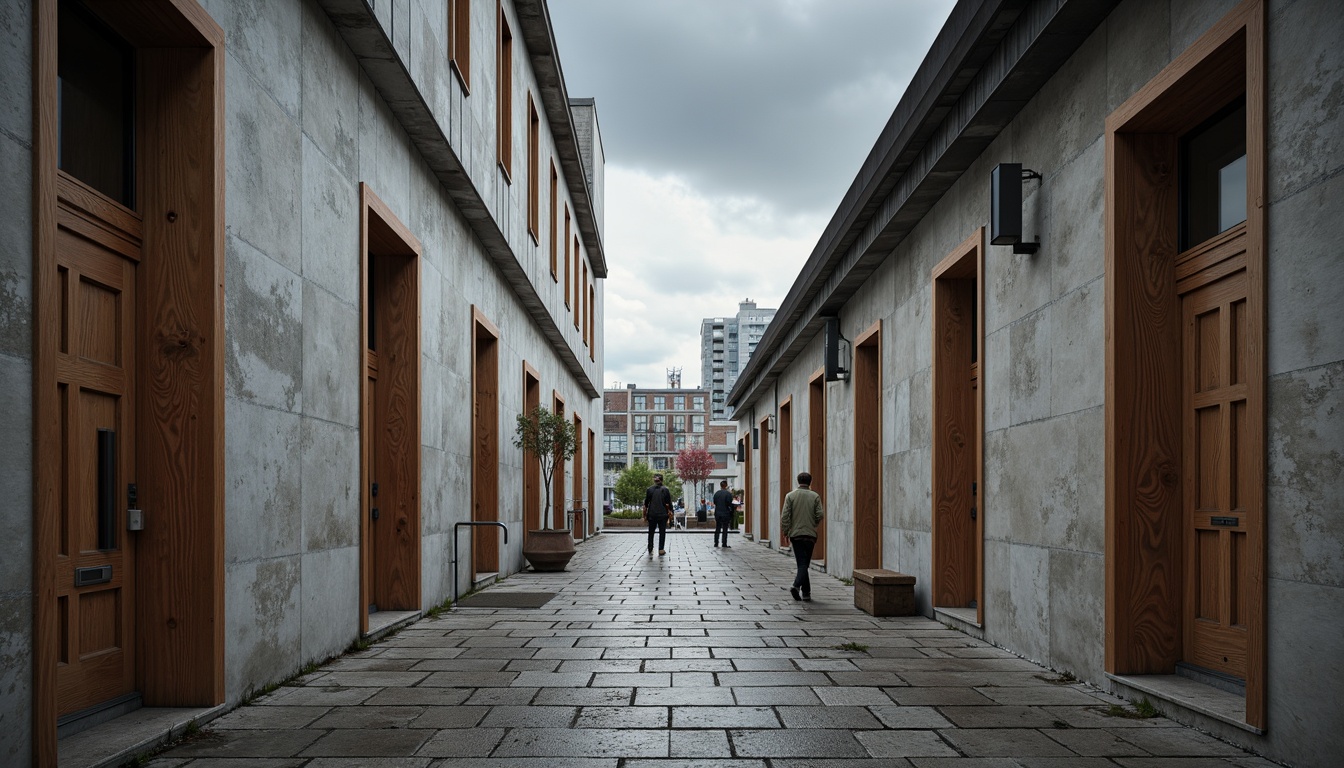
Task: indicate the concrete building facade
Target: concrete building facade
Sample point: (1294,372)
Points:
(1117,455)
(651,426)
(726,344)
(267,329)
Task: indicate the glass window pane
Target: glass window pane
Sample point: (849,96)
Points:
(1213,180)
(95,72)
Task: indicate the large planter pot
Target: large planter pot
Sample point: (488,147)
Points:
(549,550)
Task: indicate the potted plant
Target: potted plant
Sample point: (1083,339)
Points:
(550,438)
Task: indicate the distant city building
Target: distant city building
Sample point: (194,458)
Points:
(651,425)
(726,344)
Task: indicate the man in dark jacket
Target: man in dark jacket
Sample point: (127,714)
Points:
(724,512)
(657,511)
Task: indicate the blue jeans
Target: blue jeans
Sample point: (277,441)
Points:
(658,523)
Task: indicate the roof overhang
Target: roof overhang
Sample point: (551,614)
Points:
(988,61)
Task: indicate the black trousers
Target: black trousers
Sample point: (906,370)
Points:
(658,523)
(721,527)
(802,552)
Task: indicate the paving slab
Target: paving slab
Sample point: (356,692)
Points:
(722,670)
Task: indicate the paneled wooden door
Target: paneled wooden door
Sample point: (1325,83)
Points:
(1220,498)
(97,249)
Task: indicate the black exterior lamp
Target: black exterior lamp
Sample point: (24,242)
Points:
(1005,207)
(835,351)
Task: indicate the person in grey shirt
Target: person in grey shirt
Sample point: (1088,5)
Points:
(802,513)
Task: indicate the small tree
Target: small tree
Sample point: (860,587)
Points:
(694,465)
(633,481)
(552,439)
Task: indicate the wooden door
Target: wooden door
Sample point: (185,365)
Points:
(97,249)
(1219,496)
(372,511)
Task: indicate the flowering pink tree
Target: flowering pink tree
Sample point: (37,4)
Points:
(694,465)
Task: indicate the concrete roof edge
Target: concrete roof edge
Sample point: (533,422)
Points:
(534,17)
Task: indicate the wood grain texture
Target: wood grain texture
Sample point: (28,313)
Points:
(576,491)
(958,406)
(785,459)
(593,501)
(531,464)
(816,450)
(1147,557)
(763,481)
(867,379)
(558,482)
(484,444)
(747,506)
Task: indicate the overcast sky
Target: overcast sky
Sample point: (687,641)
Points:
(732,128)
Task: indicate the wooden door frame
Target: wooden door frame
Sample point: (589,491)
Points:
(558,484)
(747,507)
(1144,511)
(966,261)
(816,449)
(484,464)
(868,430)
(763,534)
(785,432)
(577,481)
(531,464)
(592,482)
(383,236)
(180,427)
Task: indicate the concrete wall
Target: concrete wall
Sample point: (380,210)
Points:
(304,127)
(16,376)
(1043,369)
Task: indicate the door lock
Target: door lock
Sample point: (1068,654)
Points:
(135,518)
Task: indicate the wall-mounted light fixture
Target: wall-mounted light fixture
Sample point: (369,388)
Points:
(1005,207)
(835,351)
(770,423)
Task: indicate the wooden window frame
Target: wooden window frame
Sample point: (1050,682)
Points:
(578,286)
(954,468)
(582,323)
(504,93)
(592,323)
(180,622)
(555,184)
(1145,560)
(867,378)
(459,41)
(533,171)
(565,245)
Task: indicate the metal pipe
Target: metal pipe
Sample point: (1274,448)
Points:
(455,540)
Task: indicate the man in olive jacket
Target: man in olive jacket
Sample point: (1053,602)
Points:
(802,513)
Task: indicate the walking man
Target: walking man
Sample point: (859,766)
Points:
(657,511)
(724,513)
(802,513)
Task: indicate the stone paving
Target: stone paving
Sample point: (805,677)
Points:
(700,658)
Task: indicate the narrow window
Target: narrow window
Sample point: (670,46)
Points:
(96,74)
(459,40)
(1213,176)
(592,324)
(504,96)
(577,290)
(583,304)
(555,183)
(565,244)
(533,163)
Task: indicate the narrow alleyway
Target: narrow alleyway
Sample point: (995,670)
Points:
(699,658)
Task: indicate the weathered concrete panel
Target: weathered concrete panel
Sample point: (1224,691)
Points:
(265,38)
(329,478)
(16,477)
(16,677)
(263,156)
(330,251)
(1077,613)
(1136,47)
(1306,100)
(1075,247)
(1305,484)
(1029,377)
(1306,279)
(331,360)
(1304,671)
(16,71)
(330,93)
(263,318)
(1192,18)
(1077,344)
(262,501)
(1017,597)
(263,612)
(16,249)
(995,370)
(329,595)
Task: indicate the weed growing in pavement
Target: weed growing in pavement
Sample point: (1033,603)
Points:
(1143,709)
(860,647)
(1064,678)
(848,582)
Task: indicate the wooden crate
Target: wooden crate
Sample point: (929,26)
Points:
(880,592)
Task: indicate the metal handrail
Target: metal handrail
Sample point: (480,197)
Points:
(455,539)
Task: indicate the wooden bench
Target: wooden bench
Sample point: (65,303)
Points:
(880,592)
